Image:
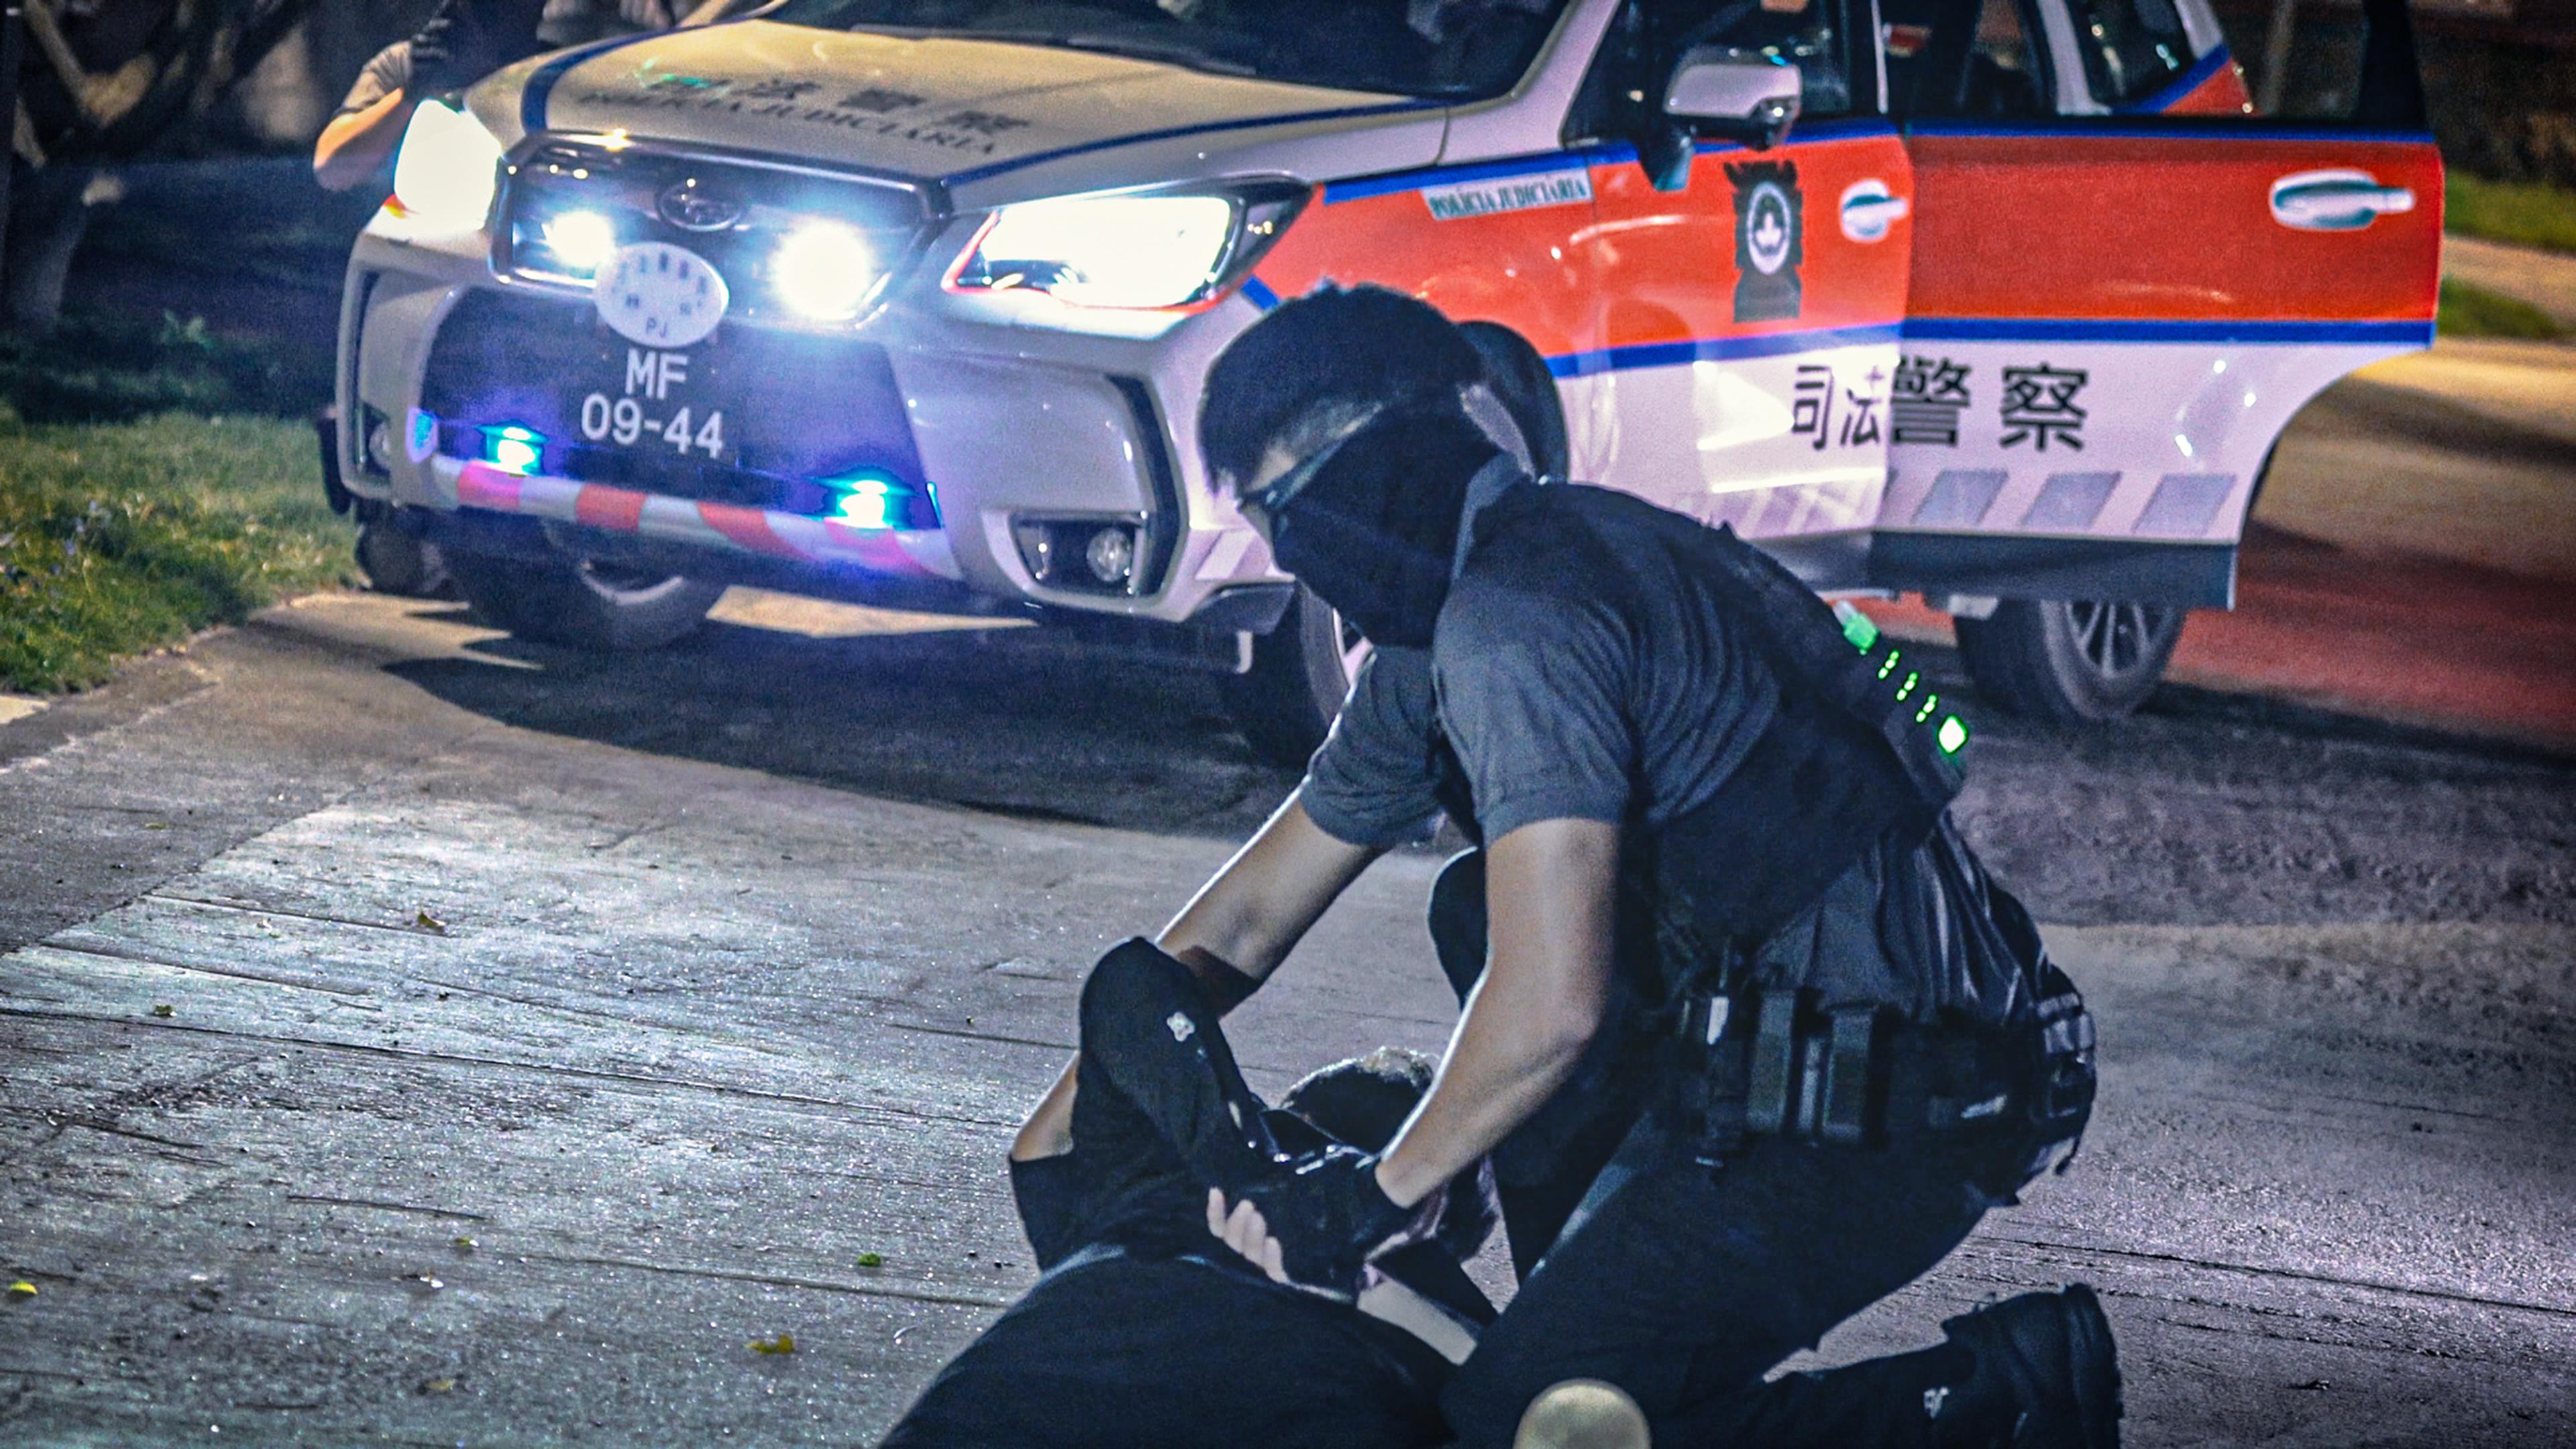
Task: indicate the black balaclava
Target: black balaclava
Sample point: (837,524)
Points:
(1375,534)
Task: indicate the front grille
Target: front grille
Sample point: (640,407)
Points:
(800,416)
(747,217)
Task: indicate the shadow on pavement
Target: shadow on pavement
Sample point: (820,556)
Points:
(2205,808)
(1024,726)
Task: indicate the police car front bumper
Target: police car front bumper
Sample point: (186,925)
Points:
(946,442)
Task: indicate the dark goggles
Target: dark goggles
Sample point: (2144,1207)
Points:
(1279,492)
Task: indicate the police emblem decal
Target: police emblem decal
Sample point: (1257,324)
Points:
(1770,240)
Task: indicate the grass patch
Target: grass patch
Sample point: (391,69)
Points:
(103,369)
(129,518)
(2471,311)
(2510,211)
(117,538)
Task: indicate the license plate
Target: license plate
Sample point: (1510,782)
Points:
(744,415)
(666,404)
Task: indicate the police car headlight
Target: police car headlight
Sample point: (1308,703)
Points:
(1128,250)
(446,169)
(580,240)
(824,270)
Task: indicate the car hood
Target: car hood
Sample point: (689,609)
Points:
(940,109)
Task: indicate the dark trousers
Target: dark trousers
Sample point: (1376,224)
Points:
(1130,1345)
(1142,1353)
(1686,1284)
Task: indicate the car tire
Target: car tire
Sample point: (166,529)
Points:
(2071,662)
(1301,672)
(397,563)
(581,603)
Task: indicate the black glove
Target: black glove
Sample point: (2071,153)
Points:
(1330,1217)
(468,40)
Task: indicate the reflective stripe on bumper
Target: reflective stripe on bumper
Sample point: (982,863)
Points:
(733,527)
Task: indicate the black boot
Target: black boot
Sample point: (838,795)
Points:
(2049,1355)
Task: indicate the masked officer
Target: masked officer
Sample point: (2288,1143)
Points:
(1750,1035)
(1143,1333)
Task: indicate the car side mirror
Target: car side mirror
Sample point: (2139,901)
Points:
(1741,95)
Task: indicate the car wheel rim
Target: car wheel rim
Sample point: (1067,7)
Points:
(623,584)
(2117,639)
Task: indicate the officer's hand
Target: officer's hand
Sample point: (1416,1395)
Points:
(469,39)
(1328,1216)
(437,49)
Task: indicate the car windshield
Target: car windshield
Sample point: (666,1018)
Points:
(1449,49)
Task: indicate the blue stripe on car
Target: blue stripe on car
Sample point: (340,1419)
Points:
(2180,86)
(2039,329)
(541,82)
(1715,349)
(1987,329)
(1615,153)
(1204,128)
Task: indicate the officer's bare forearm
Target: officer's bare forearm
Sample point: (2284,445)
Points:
(352,146)
(1551,888)
(1246,919)
(1259,905)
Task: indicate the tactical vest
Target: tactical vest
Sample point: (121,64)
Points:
(1859,757)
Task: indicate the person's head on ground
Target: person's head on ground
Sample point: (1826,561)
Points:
(1342,425)
(1363,1101)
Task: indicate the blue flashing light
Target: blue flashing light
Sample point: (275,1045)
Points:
(424,433)
(865,500)
(513,448)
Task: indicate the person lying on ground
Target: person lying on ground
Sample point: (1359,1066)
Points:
(1145,1331)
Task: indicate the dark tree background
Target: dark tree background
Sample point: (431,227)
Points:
(101,81)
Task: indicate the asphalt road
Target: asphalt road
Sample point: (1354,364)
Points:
(411,1036)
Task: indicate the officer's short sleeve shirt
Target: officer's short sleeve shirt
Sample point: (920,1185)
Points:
(1580,672)
(386,72)
(1370,783)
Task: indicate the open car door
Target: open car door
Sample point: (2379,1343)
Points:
(2124,284)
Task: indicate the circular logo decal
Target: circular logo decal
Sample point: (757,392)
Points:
(1769,228)
(660,295)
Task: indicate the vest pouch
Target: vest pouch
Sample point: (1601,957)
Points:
(1980,956)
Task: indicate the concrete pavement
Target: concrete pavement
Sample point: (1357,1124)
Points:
(541,1030)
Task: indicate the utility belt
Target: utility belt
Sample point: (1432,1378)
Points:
(1772,1063)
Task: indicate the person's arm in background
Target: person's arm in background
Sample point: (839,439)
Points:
(356,143)
(1245,920)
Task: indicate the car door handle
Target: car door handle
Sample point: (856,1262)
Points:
(2336,199)
(1869,209)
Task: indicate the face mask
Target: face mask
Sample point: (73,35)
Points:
(1374,530)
